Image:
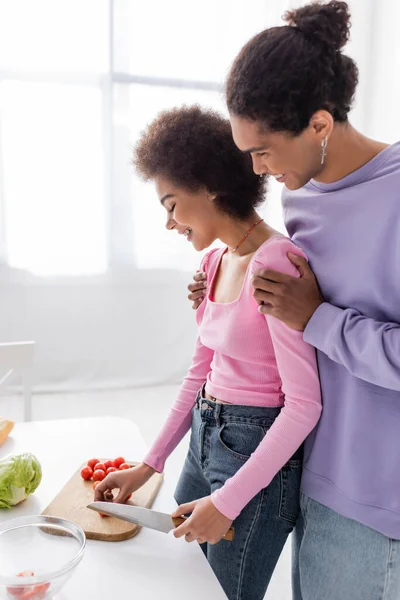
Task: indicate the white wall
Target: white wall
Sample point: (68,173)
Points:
(132,328)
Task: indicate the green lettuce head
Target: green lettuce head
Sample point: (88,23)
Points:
(20,475)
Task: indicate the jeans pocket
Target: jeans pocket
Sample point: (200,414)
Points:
(290,477)
(241,439)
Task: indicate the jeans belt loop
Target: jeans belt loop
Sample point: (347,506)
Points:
(217,409)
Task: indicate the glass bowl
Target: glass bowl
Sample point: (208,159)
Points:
(43,550)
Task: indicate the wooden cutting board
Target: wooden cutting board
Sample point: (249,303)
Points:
(71,503)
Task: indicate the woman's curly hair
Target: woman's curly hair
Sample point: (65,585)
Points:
(284,75)
(193,148)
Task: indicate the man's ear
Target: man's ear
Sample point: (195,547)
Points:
(322,123)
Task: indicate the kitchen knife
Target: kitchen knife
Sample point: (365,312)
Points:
(144,517)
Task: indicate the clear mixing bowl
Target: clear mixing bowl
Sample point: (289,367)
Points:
(44,550)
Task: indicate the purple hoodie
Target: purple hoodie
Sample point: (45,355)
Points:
(350,231)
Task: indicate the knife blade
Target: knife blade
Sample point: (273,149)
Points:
(145,517)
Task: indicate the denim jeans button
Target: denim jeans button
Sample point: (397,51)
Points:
(204,406)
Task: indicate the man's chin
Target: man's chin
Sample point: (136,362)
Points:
(295,184)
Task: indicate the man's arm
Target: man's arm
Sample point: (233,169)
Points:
(368,349)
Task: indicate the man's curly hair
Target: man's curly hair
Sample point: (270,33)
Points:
(194,149)
(284,75)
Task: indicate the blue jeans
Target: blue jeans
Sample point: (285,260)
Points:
(223,438)
(335,558)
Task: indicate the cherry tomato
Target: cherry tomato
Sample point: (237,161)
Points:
(103,515)
(92,463)
(108,464)
(101,466)
(22,591)
(118,461)
(124,466)
(95,484)
(29,595)
(86,473)
(98,475)
(40,590)
(16,591)
(111,470)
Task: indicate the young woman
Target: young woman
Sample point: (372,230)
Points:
(252,393)
(289,94)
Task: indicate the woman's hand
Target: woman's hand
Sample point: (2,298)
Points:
(198,289)
(205,524)
(127,481)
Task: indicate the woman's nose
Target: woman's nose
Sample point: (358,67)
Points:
(170,224)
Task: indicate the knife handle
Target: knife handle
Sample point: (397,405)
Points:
(229,536)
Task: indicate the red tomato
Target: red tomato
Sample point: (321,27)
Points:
(108,464)
(96,483)
(86,473)
(39,591)
(21,591)
(101,466)
(124,466)
(111,470)
(92,463)
(29,595)
(98,475)
(36,592)
(16,591)
(118,461)
(103,516)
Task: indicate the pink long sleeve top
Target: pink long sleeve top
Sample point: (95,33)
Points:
(249,359)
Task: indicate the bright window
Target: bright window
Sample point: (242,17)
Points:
(79,81)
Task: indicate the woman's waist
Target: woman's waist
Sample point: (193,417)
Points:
(213,399)
(245,395)
(220,412)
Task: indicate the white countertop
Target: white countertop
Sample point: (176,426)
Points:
(151,565)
